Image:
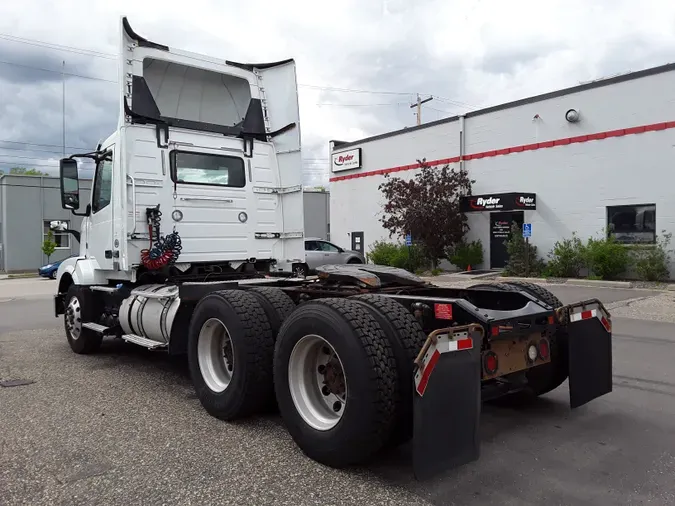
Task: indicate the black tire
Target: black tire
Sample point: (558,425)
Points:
(250,389)
(406,338)
(355,261)
(536,291)
(371,378)
(276,303)
(548,377)
(86,340)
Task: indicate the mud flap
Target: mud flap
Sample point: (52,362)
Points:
(447,401)
(590,353)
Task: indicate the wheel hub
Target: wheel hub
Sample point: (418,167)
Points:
(317,382)
(215,355)
(73,318)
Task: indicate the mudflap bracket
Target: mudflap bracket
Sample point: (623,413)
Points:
(447,400)
(590,350)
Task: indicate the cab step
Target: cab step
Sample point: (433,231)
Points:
(142,341)
(96,327)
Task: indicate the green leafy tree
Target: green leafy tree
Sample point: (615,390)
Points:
(427,206)
(49,245)
(23,171)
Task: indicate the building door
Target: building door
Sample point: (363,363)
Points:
(500,230)
(357,242)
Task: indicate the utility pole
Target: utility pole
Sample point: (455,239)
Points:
(63,97)
(418,104)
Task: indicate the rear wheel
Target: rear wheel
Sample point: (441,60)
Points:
(276,303)
(406,338)
(81,307)
(230,350)
(545,378)
(336,382)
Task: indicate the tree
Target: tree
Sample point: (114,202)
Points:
(49,245)
(22,171)
(427,207)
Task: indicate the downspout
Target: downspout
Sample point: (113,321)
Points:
(461,141)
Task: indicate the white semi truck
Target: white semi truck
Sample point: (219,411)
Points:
(197,201)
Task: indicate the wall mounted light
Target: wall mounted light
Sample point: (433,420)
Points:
(572,115)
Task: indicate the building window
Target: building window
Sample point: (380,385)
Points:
(632,224)
(62,239)
(206,169)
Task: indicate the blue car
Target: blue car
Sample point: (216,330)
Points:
(49,270)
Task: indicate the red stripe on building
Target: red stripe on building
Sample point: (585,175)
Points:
(517,149)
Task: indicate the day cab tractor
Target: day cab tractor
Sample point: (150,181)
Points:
(195,210)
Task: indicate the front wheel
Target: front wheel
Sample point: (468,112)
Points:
(81,307)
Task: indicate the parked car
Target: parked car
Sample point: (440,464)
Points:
(49,270)
(319,252)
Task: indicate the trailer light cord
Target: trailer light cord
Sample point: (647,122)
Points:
(163,251)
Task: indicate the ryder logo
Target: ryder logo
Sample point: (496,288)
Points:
(482,203)
(346,160)
(525,201)
(341,160)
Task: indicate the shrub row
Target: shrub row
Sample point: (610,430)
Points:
(598,258)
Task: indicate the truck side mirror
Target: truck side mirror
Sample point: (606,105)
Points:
(59,226)
(70,184)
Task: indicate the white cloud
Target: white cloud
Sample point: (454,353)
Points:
(469,52)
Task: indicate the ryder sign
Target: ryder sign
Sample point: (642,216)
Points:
(346,160)
(515,201)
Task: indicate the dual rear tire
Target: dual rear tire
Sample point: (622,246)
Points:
(339,369)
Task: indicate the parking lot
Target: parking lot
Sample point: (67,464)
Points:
(124,427)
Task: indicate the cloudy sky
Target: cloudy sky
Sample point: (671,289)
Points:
(360,63)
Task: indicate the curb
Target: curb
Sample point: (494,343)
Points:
(671,288)
(599,283)
(527,280)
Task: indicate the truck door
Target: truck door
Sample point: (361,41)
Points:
(101,234)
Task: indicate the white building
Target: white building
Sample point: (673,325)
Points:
(597,154)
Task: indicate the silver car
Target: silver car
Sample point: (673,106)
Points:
(319,252)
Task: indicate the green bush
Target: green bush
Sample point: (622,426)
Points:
(411,258)
(566,259)
(523,257)
(651,262)
(606,258)
(465,254)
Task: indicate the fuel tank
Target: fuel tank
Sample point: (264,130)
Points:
(149,311)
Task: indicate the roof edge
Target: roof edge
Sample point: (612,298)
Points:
(599,83)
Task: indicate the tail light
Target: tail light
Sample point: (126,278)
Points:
(544,349)
(490,362)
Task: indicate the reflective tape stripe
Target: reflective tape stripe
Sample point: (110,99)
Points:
(443,345)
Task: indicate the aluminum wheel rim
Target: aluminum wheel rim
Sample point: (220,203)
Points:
(215,354)
(74,318)
(320,404)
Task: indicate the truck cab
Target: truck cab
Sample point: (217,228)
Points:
(202,176)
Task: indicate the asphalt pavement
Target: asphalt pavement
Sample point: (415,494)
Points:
(124,427)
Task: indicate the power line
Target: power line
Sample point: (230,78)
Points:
(57,72)
(111,56)
(58,47)
(359,105)
(31,150)
(351,90)
(60,146)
